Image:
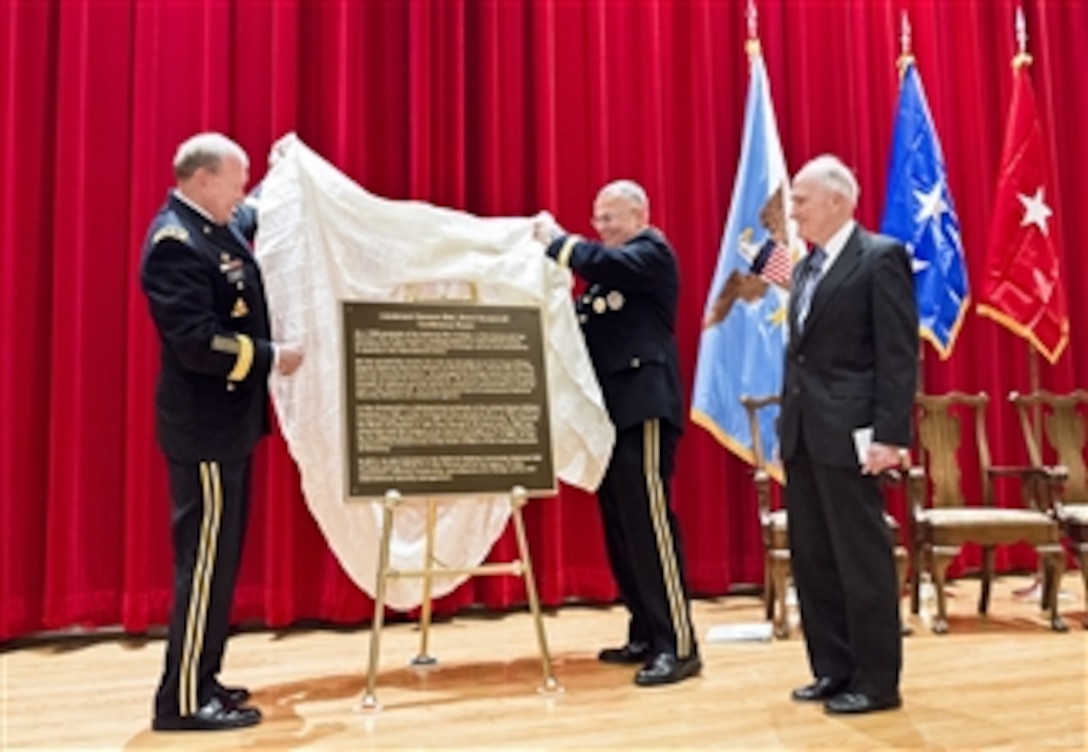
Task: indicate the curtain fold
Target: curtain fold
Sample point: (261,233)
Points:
(492,107)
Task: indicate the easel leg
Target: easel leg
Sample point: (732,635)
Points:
(423,659)
(551,684)
(370,702)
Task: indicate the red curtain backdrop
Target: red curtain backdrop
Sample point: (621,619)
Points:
(495,107)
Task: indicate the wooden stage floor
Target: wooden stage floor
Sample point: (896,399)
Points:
(1003,682)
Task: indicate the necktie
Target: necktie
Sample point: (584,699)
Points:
(811,278)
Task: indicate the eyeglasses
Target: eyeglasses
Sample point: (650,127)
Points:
(598,220)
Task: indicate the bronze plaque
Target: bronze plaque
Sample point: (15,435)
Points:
(445,398)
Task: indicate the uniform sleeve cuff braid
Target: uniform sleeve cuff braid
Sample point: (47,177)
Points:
(563,259)
(244,361)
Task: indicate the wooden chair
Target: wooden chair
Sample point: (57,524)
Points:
(943,518)
(774,532)
(1063,427)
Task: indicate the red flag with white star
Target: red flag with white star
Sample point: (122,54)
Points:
(1021,283)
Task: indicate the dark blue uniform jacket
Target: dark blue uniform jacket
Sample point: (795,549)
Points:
(628,317)
(207,300)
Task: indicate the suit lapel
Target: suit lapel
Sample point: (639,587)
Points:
(239,237)
(844,267)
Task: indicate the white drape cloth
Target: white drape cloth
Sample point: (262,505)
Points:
(324,239)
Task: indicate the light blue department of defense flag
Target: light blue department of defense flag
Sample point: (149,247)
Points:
(918,210)
(743,342)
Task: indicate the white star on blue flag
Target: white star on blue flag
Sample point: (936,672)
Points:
(918,210)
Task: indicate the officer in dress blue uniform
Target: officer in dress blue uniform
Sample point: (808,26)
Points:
(628,315)
(205,294)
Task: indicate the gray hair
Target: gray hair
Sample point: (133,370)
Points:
(628,189)
(830,172)
(205,150)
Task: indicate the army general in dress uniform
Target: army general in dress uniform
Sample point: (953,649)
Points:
(628,318)
(208,304)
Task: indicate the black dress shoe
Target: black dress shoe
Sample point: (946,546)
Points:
(632,652)
(666,668)
(212,716)
(855,702)
(821,689)
(232,697)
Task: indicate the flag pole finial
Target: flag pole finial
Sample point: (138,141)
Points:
(1022,57)
(752,15)
(905,56)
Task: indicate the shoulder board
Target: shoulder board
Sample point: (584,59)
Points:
(171,231)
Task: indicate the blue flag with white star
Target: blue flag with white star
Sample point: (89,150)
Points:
(918,210)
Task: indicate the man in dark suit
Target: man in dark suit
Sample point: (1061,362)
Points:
(628,318)
(847,397)
(207,301)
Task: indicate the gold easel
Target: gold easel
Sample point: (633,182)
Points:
(522,566)
(464,292)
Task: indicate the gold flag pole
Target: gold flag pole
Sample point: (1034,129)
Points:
(751,15)
(1022,59)
(906,57)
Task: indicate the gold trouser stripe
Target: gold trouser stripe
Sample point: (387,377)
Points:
(244,361)
(209,570)
(563,259)
(200,588)
(666,551)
